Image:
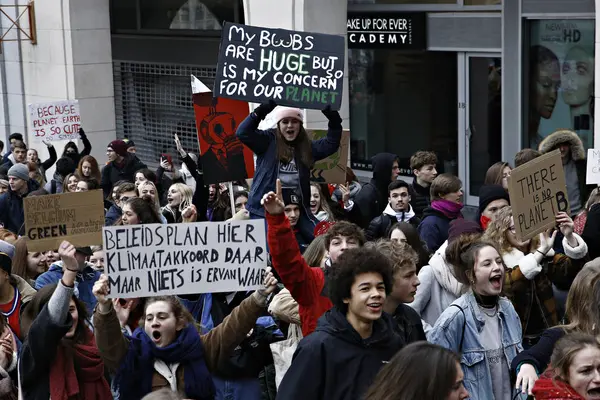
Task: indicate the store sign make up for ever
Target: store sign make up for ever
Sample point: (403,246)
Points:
(387,31)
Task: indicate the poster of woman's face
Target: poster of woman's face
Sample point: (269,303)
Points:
(561,79)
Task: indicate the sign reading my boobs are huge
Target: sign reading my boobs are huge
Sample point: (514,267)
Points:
(292,68)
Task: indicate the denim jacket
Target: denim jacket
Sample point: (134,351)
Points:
(264,145)
(447,333)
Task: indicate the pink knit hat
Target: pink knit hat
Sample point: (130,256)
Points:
(281,112)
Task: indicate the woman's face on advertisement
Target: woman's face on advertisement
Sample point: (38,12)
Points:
(577,77)
(547,83)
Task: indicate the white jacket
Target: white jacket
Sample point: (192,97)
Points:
(438,289)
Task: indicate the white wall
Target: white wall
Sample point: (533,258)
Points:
(71,60)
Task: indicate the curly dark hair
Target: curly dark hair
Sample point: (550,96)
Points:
(349,265)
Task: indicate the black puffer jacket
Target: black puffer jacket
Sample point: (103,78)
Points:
(372,198)
(112,173)
(408,324)
(420,198)
(335,363)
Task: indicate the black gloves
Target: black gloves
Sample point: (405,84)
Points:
(333,116)
(264,109)
(81,133)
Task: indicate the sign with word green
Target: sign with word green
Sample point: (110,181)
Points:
(297,69)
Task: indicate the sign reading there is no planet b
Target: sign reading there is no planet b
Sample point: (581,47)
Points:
(296,69)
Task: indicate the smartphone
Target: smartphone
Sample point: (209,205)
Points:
(166,157)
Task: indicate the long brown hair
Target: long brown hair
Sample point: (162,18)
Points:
(300,148)
(566,349)
(583,301)
(420,370)
(494,173)
(95,169)
(19,261)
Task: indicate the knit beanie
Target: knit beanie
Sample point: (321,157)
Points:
(461,226)
(281,112)
(65,166)
(489,193)
(290,197)
(129,143)
(7,248)
(119,147)
(5,263)
(20,171)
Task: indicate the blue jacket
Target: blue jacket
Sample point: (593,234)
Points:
(264,145)
(83,283)
(448,331)
(12,214)
(433,229)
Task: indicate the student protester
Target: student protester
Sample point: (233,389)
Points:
(18,156)
(200,199)
(3,185)
(8,236)
(575,370)
(97,258)
(498,174)
(582,317)
(28,264)
(122,193)
(15,292)
(59,358)
(121,166)
(293,212)
(12,140)
(355,329)
(87,185)
(439,286)
(241,200)
(34,174)
(179,198)
(403,232)
(64,166)
(423,165)
(42,167)
(52,256)
(404,288)
(70,183)
(12,216)
(397,210)
(352,185)
(130,146)
(72,151)
(526,155)
(533,267)
(574,163)
(319,207)
(88,169)
(591,229)
(286,153)
(148,188)
(85,279)
(446,205)
(373,197)
(305,283)
(481,325)
(168,350)
(420,371)
(492,198)
(140,211)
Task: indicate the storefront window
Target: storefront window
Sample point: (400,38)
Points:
(560,84)
(402,102)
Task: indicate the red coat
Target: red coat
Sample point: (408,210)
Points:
(304,282)
(547,388)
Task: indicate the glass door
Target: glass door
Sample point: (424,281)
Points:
(480,119)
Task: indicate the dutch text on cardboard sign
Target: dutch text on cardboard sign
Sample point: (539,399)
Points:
(292,68)
(55,121)
(203,257)
(76,217)
(538,192)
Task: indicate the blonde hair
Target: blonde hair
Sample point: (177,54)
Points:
(186,196)
(593,199)
(323,204)
(498,229)
(156,195)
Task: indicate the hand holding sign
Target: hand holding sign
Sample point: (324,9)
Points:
(333,116)
(264,109)
(547,239)
(273,202)
(565,224)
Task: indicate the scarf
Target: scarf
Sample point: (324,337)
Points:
(449,208)
(484,221)
(88,383)
(548,388)
(134,377)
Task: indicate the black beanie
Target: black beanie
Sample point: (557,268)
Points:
(290,197)
(5,263)
(489,193)
(65,166)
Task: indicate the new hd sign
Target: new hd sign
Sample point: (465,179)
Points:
(387,31)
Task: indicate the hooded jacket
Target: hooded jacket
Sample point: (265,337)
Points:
(380,225)
(12,214)
(87,148)
(112,173)
(578,156)
(335,363)
(438,289)
(372,198)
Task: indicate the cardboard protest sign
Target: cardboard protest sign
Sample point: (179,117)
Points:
(297,69)
(592,176)
(203,257)
(76,217)
(224,157)
(538,192)
(55,121)
(333,168)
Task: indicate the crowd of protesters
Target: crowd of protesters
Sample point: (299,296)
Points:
(378,291)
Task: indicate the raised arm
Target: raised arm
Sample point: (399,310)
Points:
(249,134)
(328,145)
(87,146)
(52,152)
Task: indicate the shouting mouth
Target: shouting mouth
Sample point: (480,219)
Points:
(594,393)
(156,335)
(496,281)
(375,307)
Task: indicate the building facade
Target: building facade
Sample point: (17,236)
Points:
(492,76)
